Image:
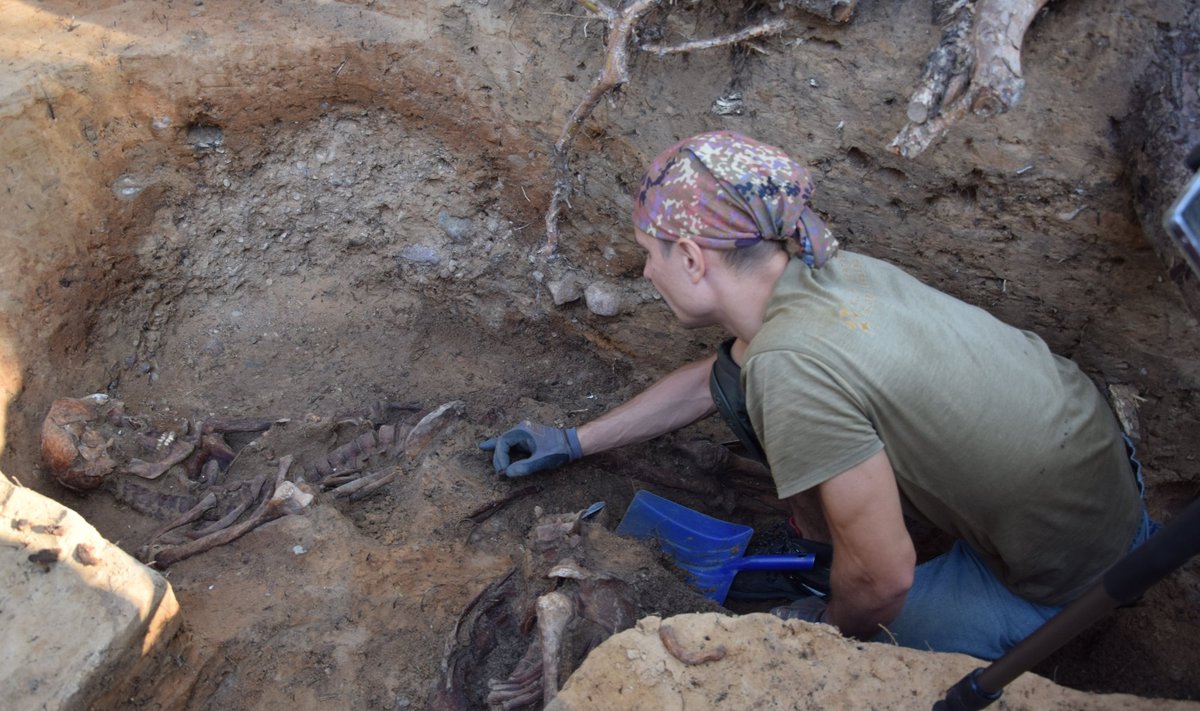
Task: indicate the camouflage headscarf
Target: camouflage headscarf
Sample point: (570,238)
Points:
(723,191)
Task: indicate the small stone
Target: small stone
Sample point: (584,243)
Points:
(602,299)
(205,136)
(456,228)
(214,346)
(421,254)
(128,186)
(565,290)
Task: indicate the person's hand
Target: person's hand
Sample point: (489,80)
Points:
(530,447)
(809,609)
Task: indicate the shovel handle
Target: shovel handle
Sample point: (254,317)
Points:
(774,562)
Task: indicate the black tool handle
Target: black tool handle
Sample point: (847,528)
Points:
(1167,550)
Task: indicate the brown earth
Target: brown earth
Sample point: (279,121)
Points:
(366,229)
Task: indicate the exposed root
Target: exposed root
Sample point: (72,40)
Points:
(622,26)
(770,27)
(975,67)
(615,73)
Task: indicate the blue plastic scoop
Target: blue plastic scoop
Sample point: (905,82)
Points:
(708,549)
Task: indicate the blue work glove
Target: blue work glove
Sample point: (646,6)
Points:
(809,609)
(534,447)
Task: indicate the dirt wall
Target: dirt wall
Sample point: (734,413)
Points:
(119,275)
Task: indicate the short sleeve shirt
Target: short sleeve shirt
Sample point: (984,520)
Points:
(992,438)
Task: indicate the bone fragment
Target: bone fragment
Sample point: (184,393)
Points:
(344,454)
(210,473)
(343,476)
(523,687)
(383,475)
(554,611)
(215,446)
(285,463)
(376,485)
(366,444)
(195,513)
(387,435)
(397,446)
(176,453)
(220,524)
(429,427)
(568,568)
(287,499)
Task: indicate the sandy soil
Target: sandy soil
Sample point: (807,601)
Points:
(298,211)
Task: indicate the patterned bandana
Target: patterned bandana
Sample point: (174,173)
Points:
(723,190)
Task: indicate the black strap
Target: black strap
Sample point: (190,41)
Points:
(725,384)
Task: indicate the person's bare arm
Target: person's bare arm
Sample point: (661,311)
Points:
(873,555)
(678,399)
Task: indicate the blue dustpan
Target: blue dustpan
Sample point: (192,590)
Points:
(708,549)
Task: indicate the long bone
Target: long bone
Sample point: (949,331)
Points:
(554,611)
(206,504)
(286,498)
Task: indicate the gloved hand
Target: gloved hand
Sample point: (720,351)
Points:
(535,448)
(809,609)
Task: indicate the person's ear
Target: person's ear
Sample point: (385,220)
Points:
(694,258)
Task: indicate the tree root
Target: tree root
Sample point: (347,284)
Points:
(622,25)
(976,67)
(614,74)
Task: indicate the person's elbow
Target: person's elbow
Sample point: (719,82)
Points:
(892,588)
(894,580)
(881,589)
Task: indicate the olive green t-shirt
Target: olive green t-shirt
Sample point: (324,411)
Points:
(993,438)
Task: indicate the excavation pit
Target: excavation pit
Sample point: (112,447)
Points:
(299,213)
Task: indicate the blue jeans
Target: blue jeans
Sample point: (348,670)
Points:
(956,604)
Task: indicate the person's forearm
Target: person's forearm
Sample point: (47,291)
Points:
(861,607)
(677,400)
